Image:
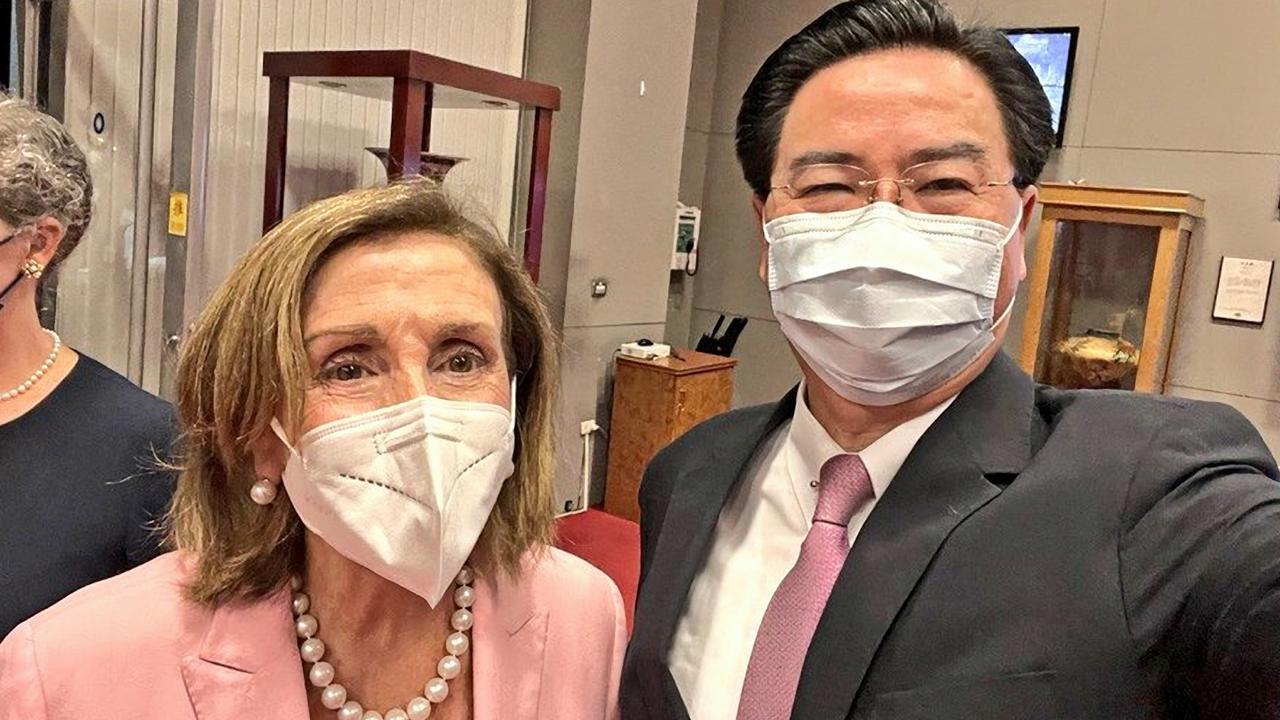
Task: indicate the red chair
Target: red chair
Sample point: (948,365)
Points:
(608,542)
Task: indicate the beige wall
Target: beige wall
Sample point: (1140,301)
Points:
(693,165)
(610,215)
(1171,93)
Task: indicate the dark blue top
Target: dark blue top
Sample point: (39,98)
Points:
(80,490)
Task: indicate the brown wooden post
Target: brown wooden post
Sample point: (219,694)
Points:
(408,106)
(1153,362)
(428,104)
(277,152)
(537,192)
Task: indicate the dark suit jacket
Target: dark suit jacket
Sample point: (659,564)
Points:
(1041,554)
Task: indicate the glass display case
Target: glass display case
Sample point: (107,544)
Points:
(1105,284)
(415,83)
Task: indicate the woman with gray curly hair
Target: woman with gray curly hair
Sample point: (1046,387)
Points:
(79,492)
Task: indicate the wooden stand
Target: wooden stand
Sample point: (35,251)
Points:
(655,402)
(1105,251)
(416,83)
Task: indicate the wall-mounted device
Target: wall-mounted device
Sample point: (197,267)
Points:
(684,254)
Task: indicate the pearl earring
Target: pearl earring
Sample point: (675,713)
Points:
(263,491)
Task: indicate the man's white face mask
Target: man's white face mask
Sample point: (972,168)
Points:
(885,304)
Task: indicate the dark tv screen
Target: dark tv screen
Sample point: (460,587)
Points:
(1052,54)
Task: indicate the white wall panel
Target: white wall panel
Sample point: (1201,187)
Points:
(329,130)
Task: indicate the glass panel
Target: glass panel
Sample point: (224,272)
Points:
(102,105)
(1099,288)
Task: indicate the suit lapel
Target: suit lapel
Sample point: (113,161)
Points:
(248,664)
(988,431)
(684,541)
(510,639)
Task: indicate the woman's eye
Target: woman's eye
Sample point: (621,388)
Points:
(464,362)
(346,372)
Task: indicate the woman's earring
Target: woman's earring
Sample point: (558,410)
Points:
(263,492)
(32,269)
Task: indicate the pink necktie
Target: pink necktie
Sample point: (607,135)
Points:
(789,623)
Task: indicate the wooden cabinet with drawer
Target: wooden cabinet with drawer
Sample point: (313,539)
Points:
(655,402)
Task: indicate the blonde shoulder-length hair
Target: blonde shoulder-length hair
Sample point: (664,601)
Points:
(244,362)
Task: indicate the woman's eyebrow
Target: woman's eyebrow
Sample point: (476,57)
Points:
(358,331)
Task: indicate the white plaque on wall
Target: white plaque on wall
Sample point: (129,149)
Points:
(1243,287)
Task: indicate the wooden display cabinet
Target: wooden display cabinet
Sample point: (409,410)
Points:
(1105,284)
(655,402)
(415,83)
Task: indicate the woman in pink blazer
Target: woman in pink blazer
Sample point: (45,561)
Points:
(365,505)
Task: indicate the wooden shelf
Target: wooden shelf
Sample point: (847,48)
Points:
(1120,198)
(687,363)
(369,73)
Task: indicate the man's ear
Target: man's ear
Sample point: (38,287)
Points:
(1029,198)
(757,206)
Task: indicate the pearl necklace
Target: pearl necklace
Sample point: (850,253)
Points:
(334,695)
(35,376)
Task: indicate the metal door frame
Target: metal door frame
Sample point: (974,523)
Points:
(192,98)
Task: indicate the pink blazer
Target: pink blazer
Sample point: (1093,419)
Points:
(549,645)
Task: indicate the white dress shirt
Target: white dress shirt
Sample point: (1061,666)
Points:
(757,542)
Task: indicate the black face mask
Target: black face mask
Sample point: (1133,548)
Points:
(15,281)
(9,287)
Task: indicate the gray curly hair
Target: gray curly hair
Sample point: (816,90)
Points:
(43,173)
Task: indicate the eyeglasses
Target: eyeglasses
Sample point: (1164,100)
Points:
(942,187)
(8,237)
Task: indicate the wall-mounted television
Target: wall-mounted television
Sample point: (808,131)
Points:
(1052,54)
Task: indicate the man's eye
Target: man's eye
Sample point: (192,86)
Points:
(943,185)
(826,189)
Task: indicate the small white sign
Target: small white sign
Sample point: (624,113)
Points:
(1243,287)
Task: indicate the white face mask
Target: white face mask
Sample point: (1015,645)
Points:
(885,304)
(406,490)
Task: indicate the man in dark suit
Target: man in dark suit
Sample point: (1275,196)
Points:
(918,530)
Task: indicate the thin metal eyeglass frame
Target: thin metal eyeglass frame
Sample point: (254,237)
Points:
(900,182)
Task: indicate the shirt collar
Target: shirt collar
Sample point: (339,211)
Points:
(809,446)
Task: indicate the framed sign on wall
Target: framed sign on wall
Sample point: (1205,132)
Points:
(1243,288)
